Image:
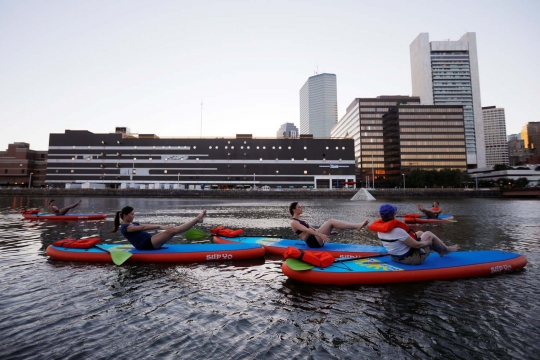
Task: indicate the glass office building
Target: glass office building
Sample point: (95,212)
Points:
(318,105)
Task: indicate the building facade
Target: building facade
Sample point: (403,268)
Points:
(395,135)
(495,136)
(122,160)
(530,134)
(22,167)
(446,73)
(318,105)
(288,130)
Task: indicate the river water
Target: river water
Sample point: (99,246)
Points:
(249,309)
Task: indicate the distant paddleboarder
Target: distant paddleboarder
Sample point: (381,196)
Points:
(63,211)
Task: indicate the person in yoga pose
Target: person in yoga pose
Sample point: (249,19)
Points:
(136,233)
(317,237)
(403,244)
(432,213)
(63,211)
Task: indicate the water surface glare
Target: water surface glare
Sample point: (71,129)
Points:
(249,309)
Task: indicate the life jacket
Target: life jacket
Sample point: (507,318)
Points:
(435,209)
(77,244)
(382,226)
(223,231)
(316,258)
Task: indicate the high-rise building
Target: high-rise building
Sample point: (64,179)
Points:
(530,134)
(318,105)
(395,135)
(288,130)
(513,137)
(446,73)
(495,136)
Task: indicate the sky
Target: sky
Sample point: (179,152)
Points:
(149,65)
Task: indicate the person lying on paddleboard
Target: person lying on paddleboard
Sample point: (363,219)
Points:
(432,213)
(135,233)
(63,211)
(404,245)
(314,237)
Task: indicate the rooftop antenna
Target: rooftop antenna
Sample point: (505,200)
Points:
(201,116)
(317,70)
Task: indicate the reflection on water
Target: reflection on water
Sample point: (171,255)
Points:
(249,309)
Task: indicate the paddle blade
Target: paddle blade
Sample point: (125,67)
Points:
(298,265)
(195,234)
(119,257)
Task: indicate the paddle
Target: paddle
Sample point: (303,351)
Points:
(298,265)
(196,234)
(119,254)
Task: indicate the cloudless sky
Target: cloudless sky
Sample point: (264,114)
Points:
(94,65)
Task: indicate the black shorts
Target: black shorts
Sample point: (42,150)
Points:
(147,245)
(312,241)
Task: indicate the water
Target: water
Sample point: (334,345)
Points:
(249,309)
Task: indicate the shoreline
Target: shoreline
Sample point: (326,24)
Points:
(253,194)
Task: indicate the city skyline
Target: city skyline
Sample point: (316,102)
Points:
(161,68)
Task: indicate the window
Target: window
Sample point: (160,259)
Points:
(277,171)
(292,159)
(164,171)
(305,172)
(260,159)
(305,147)
(72,171)
(134,171)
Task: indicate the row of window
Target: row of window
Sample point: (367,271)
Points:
(432,136)
(414,150)
(433,156)
(432,143)
(435,117)
(430,110)
(428,130)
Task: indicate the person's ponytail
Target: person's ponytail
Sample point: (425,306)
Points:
(116,222)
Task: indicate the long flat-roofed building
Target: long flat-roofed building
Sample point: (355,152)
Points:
(122,159)
(391,139)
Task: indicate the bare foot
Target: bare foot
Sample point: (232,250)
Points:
(201,216)
(420,207)
(449,249)
(361,226)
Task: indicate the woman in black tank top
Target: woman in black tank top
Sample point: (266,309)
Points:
(317,237)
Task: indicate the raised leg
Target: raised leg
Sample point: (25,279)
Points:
(158,240)
(327,227)
(64,210)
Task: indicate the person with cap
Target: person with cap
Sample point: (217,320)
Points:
(432,213)
(63,211)
(314,237)
(404,245)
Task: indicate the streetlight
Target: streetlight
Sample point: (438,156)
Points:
(30,182)
(178,180)
(132,169)
(476,178)
(253,181)
(403,181)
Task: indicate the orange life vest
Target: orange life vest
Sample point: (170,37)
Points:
(77,244)
(27,212)
(435,209)
(223,231)
(382,226)
(316,258)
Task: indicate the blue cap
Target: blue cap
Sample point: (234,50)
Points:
(387,209)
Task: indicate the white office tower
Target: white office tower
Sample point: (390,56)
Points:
(495,132)
(287,130)
(318,105)
(446,73)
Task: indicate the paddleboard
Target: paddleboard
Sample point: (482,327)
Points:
(383,269)
(277,246)
(49,216)
(425,220)
(167,253)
